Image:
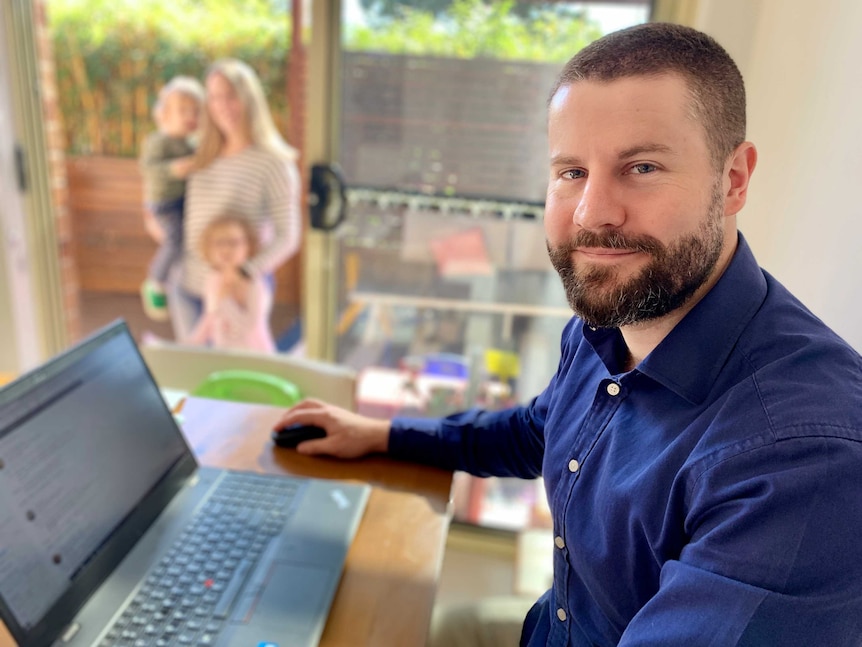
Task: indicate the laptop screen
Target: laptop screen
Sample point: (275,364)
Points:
(84,440)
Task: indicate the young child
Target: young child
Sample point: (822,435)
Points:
(165,162)
(236,306)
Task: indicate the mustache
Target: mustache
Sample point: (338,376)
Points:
(611,240)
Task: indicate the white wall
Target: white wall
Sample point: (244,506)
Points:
(802,63)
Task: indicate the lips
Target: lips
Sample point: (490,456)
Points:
(606,252)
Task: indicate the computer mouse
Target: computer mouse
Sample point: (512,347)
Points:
(292,435)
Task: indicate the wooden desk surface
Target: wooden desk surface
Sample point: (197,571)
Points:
(388,586)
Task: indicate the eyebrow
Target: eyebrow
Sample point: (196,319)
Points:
(640,149)
(633,151)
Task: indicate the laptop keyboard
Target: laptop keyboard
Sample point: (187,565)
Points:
(195,587)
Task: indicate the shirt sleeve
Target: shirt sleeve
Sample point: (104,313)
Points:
(154,160)
(283,204)
(483,443)
(774,556)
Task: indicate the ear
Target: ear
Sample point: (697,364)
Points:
(737,173)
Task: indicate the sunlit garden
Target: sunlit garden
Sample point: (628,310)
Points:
(112,56)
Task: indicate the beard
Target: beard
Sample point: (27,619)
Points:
(673,274)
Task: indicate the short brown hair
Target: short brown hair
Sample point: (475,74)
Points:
(652,49)
(222,221)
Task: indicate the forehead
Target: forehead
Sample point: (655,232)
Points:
(625,112)
(218,83)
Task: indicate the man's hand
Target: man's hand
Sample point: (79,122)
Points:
(348,435)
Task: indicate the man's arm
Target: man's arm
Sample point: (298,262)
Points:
(774,556)
(484,443)
(501,443)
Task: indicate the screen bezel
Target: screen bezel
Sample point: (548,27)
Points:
(58,617)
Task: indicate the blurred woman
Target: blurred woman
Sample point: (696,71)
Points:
(242,166)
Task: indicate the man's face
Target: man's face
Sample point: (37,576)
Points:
(179,115)
(635,210)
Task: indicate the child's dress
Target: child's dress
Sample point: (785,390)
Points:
(228,324)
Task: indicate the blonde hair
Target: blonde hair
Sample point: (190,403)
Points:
(258,120)
(184,85)
(220,222)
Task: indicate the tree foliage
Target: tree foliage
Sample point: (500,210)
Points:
(112,56)
(501,29)
(523,8)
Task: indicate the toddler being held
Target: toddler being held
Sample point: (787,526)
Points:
(166,160)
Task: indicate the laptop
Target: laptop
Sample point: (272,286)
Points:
(112,535)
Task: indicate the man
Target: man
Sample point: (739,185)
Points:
(701,441)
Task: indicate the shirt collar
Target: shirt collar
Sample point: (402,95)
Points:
(690,357)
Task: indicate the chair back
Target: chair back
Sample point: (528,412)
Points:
(186,368)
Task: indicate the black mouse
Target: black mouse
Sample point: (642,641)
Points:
(292,435)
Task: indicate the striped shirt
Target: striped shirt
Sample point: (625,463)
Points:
(254,183)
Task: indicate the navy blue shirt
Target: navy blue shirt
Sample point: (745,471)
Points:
(712,495)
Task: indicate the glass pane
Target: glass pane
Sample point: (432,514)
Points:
(449,97)
(111,61)
(447,298)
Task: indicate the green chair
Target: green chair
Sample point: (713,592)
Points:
(249,386)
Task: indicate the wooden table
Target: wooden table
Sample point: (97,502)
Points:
(390,579)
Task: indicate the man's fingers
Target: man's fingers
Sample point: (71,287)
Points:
(307,412)
(318,446)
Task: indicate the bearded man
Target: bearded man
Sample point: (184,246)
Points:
(701,440)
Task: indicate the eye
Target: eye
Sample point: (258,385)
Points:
(573,174)
(643,167)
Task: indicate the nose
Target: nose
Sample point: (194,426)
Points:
(600,204)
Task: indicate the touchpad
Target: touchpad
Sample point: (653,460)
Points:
(292,603)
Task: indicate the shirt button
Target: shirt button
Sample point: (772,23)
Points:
(613,388)
(574,466)
(559,542)
(561,614)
